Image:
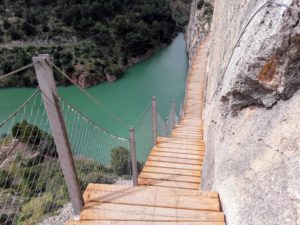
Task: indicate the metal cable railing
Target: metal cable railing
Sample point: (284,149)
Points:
(30,172)
(100,157)
(144,136)
(36,166)
(31,181)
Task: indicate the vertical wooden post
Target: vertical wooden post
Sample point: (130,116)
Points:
(154,121)
(173,114)
(182,112)
(47,86)
(133,157)
(167,127)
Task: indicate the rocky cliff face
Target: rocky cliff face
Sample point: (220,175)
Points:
(199,24)
(252,111)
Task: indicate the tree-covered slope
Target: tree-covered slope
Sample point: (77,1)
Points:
(122,31)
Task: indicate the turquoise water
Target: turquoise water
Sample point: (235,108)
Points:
(162,75)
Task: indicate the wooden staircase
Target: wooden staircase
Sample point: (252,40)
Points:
(168,191)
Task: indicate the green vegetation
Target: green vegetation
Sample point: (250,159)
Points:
(33,182)
(121,30)
(120,161)
(40,140)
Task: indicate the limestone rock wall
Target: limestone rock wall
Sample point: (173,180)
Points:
(252,112)
(199,25)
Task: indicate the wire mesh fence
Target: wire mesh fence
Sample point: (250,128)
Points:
(100,157)
(31,181)
(144,130)
(144,136)
(171,119)
(32,184)
(162,129)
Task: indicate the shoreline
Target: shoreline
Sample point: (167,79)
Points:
(84,83)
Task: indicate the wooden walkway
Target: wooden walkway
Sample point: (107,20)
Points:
(168,191)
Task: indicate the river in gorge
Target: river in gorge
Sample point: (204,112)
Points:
(162,75)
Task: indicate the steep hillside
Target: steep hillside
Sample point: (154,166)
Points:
(252,110)
(92,41)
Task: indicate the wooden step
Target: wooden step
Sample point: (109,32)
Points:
(150,190)
(108,211)
(199,152)
(169,184)
(189,126)
(180,140)
(173,165)
(126,222)
(181,146)
(177,155)
(189,131)
(179,135)
(153,196)
(169,177)
(175,160)
(153,169)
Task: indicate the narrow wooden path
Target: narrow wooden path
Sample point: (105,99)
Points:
(168,191)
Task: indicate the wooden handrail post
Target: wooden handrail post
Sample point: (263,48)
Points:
(47,86)
(167,127)
(173,114)
(154,121)
(133,157)
(182,112)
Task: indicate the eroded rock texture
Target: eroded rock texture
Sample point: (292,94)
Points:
(252,112)
(199,24)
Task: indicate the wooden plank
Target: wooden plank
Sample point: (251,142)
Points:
(192,133)
(122,222)
(188,129)
(179,135)
(191,129)
(175,160)
(176,155)
(199,152)
(192,122)
(168,183)
(173,165)
(149,190)
(170,177)
(184,150)
(157,198)
(152,169)
(198,135)
(178,146)
(180,140)
(193,117)
(109,211)
(194,126)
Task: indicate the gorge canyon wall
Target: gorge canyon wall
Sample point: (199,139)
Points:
(252,109)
